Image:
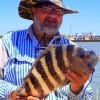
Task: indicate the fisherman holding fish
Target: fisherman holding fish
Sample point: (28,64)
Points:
(20,49)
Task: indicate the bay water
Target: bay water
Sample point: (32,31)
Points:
(95,84)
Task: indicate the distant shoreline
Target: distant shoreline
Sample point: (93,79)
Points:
(85,40)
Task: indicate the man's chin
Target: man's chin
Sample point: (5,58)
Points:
(50,31)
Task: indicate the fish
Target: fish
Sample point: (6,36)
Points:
(48,71)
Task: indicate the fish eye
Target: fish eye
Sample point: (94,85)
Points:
(82,55)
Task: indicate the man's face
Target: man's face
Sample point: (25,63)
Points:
(47,18)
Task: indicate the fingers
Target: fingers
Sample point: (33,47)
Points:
(32,98)
(72,76)
(77,81)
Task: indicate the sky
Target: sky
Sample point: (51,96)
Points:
(87,20)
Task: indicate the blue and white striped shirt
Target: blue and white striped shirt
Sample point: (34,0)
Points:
(21,48)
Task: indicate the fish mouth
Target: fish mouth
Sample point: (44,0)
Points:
(93,63)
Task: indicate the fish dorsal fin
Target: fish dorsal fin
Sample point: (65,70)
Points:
(55,38)
(47,49)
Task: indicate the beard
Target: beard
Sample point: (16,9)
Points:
(48,30)
(49,26)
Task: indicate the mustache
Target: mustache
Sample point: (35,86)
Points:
(51,20)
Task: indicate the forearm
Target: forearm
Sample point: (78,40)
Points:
(6,88)
(86,93)
(65,93)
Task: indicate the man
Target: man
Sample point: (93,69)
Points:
(20,49)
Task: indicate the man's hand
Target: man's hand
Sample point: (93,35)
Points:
(77,81)
(22,98)
(32,98)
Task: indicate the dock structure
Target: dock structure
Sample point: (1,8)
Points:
(83,38)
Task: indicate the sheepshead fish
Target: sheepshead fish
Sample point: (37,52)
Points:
(48,72)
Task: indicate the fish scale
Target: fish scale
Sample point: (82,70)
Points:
(48,72)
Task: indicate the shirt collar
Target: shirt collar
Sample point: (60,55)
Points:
(29,32)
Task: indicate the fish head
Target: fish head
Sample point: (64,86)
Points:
(83,60)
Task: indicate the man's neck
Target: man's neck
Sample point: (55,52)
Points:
(43,38)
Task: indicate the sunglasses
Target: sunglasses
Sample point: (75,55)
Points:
(50,9)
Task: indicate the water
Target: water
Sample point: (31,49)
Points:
(96,76)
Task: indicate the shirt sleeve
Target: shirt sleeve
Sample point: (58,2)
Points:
(65,93)
(5,87)
(3,58)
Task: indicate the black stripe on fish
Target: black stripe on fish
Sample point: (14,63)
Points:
(49,63)
(59,57)
(41,71)
(35,83)
(70,49)
(27,88)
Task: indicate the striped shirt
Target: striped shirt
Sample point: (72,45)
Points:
(18,51)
